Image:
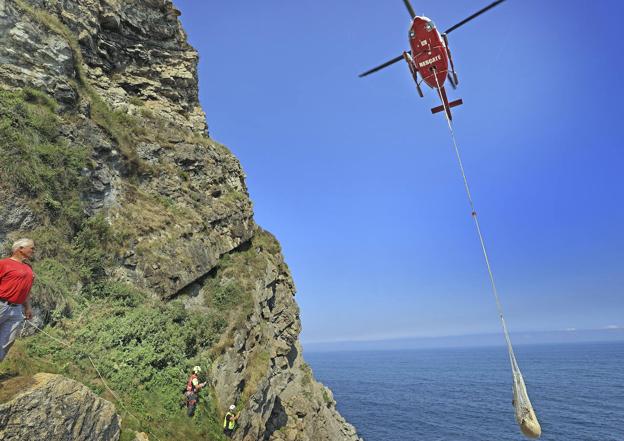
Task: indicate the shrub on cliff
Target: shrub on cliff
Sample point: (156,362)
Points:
(142,347)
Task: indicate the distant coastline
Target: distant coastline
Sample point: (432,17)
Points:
(615,334)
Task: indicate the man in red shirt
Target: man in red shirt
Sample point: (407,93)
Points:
(16,279)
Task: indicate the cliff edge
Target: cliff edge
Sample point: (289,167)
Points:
(147,251)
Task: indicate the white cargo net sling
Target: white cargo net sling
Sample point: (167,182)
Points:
(525,415)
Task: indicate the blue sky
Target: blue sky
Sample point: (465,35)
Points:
(359,181)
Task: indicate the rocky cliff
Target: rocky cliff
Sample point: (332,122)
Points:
(141,218)
(77,413)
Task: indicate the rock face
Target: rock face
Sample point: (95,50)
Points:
(54,408)
(131,49)
(285,402)
(31,56)
(177,197)
(134,55)
(14,212)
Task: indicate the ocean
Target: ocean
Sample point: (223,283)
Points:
(464,394)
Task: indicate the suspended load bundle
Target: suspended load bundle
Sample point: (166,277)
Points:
(525,415)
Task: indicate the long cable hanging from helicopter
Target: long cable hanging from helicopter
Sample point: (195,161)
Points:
(430,57)
(525,415)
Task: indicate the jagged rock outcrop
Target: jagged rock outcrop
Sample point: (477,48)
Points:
(177,197)
(31,56)
(131,49)
(14,212)
(52,407)
(285,402)
(191,205)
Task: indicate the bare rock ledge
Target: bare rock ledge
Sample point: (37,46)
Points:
(51,407)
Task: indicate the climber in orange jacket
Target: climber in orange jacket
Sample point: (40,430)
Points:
(193,386)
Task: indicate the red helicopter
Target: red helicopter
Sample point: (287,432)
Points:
(430,56)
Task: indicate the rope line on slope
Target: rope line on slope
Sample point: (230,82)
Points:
(66,344)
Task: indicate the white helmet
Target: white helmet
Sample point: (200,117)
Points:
(197,369)
(232,407)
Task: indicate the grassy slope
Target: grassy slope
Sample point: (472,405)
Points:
(143,348)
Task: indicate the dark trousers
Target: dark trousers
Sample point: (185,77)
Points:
(191,403)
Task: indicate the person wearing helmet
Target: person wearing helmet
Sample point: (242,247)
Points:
(193,386)
(229,422)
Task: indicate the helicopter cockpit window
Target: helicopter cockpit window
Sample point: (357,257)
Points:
(430,26)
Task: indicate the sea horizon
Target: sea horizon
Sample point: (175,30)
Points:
(464,393)
(520,338)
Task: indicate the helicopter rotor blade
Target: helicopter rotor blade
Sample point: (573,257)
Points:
(475,15)
(381,66)
(408,5)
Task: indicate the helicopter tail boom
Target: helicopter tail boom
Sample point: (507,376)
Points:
(446,106)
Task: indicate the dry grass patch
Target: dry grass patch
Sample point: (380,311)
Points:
(13,386)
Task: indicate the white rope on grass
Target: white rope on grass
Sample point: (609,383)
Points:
(94,367)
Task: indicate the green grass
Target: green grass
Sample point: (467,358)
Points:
(37,160)
(143,348)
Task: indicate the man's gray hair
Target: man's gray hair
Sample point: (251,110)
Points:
(21,243)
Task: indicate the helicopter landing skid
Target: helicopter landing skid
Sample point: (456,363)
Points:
(410,62)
